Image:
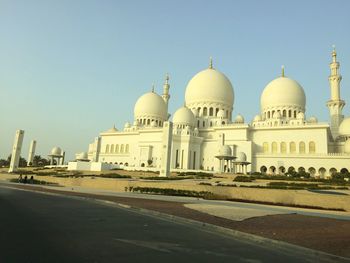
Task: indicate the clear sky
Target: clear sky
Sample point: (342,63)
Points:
(71,69)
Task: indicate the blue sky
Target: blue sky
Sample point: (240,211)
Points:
(71,69)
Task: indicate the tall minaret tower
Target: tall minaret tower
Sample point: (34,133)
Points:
(335,104)
(166,87)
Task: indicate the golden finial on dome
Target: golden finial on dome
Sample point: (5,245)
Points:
(167,78)
(152,87)
(211,62)
(282,70)
(334,54)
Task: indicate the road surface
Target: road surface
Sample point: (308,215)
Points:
(49,228)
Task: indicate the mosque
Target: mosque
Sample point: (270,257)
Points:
(203,135)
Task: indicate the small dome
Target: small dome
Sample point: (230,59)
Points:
(184,116)
(282,92)
(209,86)
(111,130)
(313,119)
(56,151)
(239,119)
(225,150)
(221,114)
(82,156)
(257,118)
(150,105)
(300,116)
(344,127)
(127,125)
(347,146)
(241,157)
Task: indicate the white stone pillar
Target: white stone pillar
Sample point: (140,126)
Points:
(31,153)
(16,151)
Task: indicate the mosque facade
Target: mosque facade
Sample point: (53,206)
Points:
(204,135)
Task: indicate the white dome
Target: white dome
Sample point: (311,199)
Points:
(257,118)
(225,150)
(82,156)
(283,92)
(127,125)
(56,151)
(239,119)
(344,127)
(241,157)
(150,105)
(209,86)
(221,114)
(313,119)
(184,116)
(347,146)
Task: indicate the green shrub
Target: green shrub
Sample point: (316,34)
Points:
(15,180)
(173,192)
(242,178)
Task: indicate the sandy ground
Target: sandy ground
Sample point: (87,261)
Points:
(325,234)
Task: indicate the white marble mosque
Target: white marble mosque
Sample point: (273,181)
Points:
(204,135)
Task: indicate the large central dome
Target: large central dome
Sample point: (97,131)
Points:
(209,86)
(283,94)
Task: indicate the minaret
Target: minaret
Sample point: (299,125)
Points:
(166,95)
(166,88)
(16,151)
(31,153)
(335,104)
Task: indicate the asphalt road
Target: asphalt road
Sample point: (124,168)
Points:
(46,228)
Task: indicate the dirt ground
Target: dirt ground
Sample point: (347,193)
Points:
(324,234)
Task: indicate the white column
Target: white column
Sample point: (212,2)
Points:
(31,153)
(16,151)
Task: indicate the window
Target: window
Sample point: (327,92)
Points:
(292,147)
(127,148)
(107,148)
(112,148)
(205,111)
(312,147)
(117,148)
(284,113)
(302,147)
(283,147)
(211,112)
(265,147)
(274,147)
(122,148)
